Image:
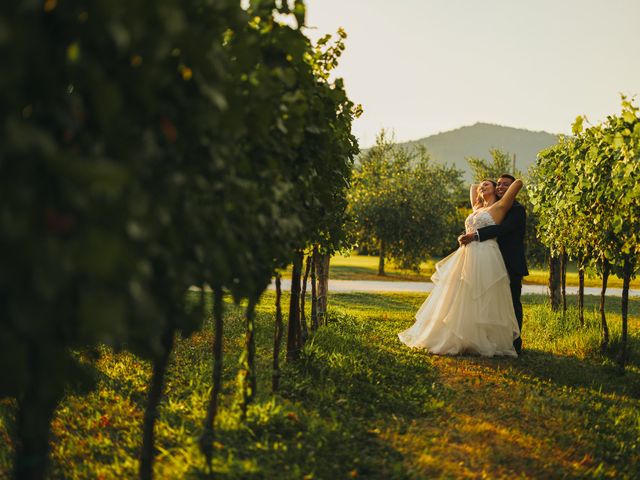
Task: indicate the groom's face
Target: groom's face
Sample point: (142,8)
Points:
(503,186)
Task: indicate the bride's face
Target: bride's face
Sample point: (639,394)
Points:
(486,189)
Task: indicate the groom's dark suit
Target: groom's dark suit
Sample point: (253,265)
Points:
(510,235)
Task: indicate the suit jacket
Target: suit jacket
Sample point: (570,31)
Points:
(510,235)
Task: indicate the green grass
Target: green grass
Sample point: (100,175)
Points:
(360,404)
(363,267)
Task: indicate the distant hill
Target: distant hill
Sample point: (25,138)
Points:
(452,147)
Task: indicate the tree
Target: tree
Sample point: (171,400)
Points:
(333,148)
(405,203)
(171,145)
(584,192)
(548,188)
(501,162)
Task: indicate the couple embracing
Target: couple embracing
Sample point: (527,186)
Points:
(475,304)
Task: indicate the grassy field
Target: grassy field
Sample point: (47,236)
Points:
(359,404)
(362,267)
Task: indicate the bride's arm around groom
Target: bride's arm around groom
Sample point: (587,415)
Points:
(509,230)
(508,214)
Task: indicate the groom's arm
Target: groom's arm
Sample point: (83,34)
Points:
(515,220)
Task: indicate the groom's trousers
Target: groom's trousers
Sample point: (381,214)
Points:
(515,282)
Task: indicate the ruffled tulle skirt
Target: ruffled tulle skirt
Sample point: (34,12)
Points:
(470,308)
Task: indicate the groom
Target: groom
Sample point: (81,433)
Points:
(510,235)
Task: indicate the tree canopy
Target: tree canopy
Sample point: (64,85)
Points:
(404,203)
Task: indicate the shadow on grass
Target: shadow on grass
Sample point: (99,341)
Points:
(597,376)
(355,379)
(591,369)
(582,405)
(348,383)
(349,373)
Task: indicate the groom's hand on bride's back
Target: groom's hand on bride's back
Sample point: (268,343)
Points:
(466,238)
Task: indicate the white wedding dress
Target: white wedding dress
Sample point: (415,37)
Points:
(470,308)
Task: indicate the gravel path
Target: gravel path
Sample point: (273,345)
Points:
(379,286)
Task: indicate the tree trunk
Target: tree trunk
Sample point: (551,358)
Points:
(251,350)
(581,291)
(554,282)
(314,290)
(147,454)
(303,297)
(381,260)
(322,265)
(33,420)
(626,280)
(206,441)
(293,331)
(605,328)
(563,277)
(248,361)
(277,338)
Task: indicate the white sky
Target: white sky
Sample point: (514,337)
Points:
(419,67)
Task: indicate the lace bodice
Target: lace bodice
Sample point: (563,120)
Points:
(478,219)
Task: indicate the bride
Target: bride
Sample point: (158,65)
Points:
(470,308)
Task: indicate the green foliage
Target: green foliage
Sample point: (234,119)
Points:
(501,162)
(147,147)
(585,190)
(405,202)
(333,147)
(99,171)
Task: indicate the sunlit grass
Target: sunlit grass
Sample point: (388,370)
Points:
(361,404)
(541,277)
(364,267)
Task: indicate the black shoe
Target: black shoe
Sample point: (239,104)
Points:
(517,345)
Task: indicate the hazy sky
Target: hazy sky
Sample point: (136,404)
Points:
(420,67)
